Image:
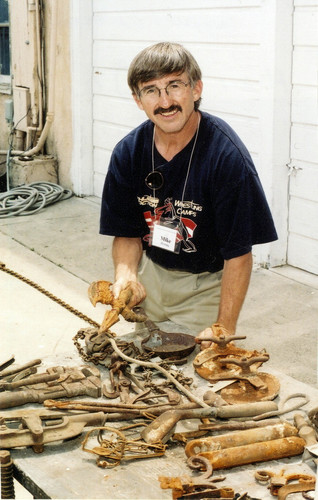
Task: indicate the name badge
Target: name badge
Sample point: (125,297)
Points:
(166,238)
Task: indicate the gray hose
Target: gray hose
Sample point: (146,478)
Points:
(29,199)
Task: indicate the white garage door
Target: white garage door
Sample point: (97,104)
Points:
(303,186)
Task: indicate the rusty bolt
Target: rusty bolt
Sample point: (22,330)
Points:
(5,457)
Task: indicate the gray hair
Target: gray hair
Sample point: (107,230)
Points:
(159,60)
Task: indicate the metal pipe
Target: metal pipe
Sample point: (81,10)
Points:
(50,112)
(39,63)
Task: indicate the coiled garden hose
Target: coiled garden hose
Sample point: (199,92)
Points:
(29,199)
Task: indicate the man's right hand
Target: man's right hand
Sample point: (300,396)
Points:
(138,291)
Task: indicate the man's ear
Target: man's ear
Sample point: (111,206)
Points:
(138,101)
(197,90)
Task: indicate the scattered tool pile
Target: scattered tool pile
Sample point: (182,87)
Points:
(134,384)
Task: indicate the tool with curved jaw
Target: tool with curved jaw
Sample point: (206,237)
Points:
(99,291)
(165,344)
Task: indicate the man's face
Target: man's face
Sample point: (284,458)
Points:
(170,112)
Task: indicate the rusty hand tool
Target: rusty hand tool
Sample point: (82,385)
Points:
(313,417)
(72,382)
(255,452)
(165,344)
(100,291)
(239,438)
(34,379)
(220,337)
(218,330)
(196,487)
(7,363)
(276,481)
(237,426)
(121,388)
(161,369)
(111,452)
(10,372)
(302,486)
(307,432)
(244,447)
(38,427)
(162,427)
(284,408)
(122,381)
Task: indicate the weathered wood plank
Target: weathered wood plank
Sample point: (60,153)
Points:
(106,135)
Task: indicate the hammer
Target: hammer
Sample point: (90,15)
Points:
(163,426)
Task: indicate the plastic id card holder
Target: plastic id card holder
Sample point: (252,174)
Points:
(165,234)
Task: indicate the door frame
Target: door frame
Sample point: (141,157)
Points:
(81,47)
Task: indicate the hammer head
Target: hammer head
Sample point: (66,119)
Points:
(99,291)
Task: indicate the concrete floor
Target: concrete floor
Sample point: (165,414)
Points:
(61,250)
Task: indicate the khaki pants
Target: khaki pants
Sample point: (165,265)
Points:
(190,300)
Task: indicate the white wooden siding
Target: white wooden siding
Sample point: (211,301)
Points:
(223,36)
(246,79)
(303,188)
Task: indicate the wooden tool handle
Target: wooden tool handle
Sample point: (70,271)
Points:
(246,409)
(305,430)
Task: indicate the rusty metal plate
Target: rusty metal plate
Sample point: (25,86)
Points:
(250,384)
(243,392)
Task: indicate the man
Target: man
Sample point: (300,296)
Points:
(183,200)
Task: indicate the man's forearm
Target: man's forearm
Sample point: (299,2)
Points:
(127,253)
(235,282)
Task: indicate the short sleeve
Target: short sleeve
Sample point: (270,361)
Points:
(120,214)
(243,217)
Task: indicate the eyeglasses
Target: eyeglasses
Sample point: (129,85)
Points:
(154,180)
(174,89)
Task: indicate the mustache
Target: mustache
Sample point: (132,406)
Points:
(174,107)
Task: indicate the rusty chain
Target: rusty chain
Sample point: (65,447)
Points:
(48,294)
(94,357)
